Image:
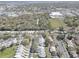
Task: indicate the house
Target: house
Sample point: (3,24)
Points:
(70,44)
(14,40)
(56,15)
(41,52)
(41,40)
(18,56)
(21,52)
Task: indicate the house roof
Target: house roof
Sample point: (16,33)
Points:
(55,13)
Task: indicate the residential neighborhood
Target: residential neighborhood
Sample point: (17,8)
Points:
(39,29)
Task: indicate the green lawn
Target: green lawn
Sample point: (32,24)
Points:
(55,23)
(8,52)
(35,55)
(47,52)
(5,36)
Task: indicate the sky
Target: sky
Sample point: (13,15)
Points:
(39,0)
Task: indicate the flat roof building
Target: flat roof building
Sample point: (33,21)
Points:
(56,15)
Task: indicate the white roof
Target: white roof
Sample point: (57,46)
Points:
(50,38)
(41,40)
(15,40)
(41,51)
(18,56)
(70,44)
(55,13)
(52,48)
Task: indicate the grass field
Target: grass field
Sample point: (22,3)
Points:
(8,52)
(47,52)
(56,23)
